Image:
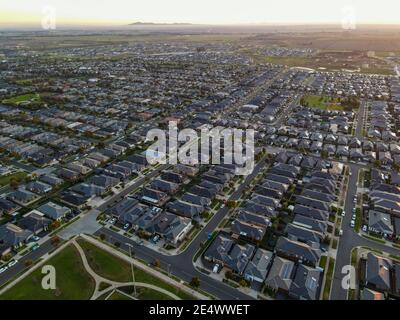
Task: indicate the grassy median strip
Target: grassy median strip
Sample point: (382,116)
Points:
(374,239)
(328,280)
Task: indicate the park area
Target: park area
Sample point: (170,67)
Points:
(17,177)
(330,103)
(84,271)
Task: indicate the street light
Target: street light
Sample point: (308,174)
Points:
(133,272)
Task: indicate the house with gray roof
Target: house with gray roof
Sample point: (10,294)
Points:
(311,224)
(377,273)
(185,209)
(197,200)
(13,237)
(257,268)
(229,254)
(23,197)
(280,275)
(307,253)
(247,230)
(54,211)
(306,283)
(311,212)
(171,227)
(380,222)
(35,222)
(302,234)
(38,187)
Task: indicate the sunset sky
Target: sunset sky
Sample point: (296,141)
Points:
(122,12)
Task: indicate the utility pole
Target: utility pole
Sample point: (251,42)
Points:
(133,272)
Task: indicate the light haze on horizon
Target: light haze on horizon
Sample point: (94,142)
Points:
(122,12)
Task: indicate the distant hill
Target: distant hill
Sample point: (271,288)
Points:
(159,24)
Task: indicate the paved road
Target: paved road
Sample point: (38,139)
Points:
(20,266)
(181,265)
(350,239)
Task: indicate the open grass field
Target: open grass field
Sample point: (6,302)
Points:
(31,97)
(322,102)
(18,176)
(72,281)
(328,103)
(113,268)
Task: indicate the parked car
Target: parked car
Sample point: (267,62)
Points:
(113,220)
(365,228)
(343,213)
(3,269)
(12,263)
(216,268)
(340,232)
(35,238)
(352,223)
(127,226)
(35,247)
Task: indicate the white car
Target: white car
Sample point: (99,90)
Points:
(35,238)
(216,268)
(340,232)
(12,263)
(343,213)
(3,269)
(113,220)
(352,223)
(365,228)
(353,217)
(126,226)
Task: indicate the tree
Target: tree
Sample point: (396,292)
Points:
(157,263)
(28,263)
(54,225)
(228,274)
(102,237)
(14,183)
(243,283)
(117,244)
(195,282)
(55,241)
(231,203)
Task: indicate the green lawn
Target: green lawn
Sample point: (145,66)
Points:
(19,176)
(72,281)
(150,294)
(321,102)
(328,281)
(115,269)
(322,262)
(34,97)
(118,296)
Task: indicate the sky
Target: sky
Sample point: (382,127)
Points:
(121,12)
